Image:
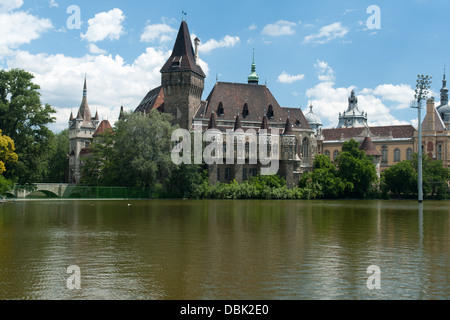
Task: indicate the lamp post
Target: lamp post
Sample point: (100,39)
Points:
(422,90)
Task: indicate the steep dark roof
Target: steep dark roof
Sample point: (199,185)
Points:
(182,57)
(288,127)
(234,96)
(212,121)
(368,147)
(154,99)
(397,132)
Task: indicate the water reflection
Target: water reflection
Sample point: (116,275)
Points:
(224,249)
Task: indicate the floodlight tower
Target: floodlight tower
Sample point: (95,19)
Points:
(422,91)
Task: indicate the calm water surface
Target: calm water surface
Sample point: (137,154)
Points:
(175,249)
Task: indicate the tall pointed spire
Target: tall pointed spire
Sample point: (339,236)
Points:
(183,55)
(84,112)
(253,78)
(85,87)
(444,91)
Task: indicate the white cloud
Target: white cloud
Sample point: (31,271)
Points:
(401,94)
(211,44)
(9,5)
(279,28)
(18,28)
(287,78)
(327,33)
(329,101)
(161,32)
(53,4)
(252,27)
(111,81)
(95,49)
(105,25)
(326,73)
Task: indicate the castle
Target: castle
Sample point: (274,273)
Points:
(242,107)
(235,107)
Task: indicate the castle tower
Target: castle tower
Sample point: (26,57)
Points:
(81,131)
(182,80)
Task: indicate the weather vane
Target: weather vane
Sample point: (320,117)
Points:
(183,15)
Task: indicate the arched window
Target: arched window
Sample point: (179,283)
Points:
(305,148)
(430,146)
(335,154)
(327,153)
(220,110)
(397,155)
(384,154)
(245,111)
(270,112)
(409,153)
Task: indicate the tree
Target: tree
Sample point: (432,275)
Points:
(401,178)
(324,179)
(356,168)
(57,158)
(135,154)
(7,156)
(25,120)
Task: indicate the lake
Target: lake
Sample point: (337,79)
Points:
(224,249)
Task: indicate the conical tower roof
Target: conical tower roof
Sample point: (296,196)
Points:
(368,147)
(183,56)
(288,128)
(212,121)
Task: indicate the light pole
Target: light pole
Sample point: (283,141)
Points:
(422,90)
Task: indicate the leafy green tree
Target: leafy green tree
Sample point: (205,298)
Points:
(356,168)
(136,154)
(324,179)
(57,158)
(400,178)
(25,120)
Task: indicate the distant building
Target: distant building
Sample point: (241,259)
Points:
(436,128)
(352,117)
(392,143)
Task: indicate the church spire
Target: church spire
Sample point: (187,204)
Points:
(444,91)
(253,78)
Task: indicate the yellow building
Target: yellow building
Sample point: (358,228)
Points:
(394,143)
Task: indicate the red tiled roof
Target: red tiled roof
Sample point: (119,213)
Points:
(397,132)
(368,147)
(102,127)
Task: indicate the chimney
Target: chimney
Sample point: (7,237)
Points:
(196,44)
(431,115)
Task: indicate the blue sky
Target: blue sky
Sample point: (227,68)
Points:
(308,52)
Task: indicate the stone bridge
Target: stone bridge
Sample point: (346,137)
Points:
(67,191)
(50,189)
